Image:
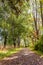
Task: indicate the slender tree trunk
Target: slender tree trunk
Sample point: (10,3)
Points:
(5,41)
(13,35)
(18,41)
(35,18)
(36,25)
(37,32)
(41,12)
(14,42)
(25,42)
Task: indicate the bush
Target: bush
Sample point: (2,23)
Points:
(39,44)
(36,46)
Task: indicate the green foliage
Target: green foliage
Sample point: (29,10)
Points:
(16,20)
(39,44)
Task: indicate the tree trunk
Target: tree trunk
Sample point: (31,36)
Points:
(14,42)
(18,41)
(5,41)
(41,12)
(25,42)
(35,18)
(36,26)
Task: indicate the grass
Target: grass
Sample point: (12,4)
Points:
(38,52)
(8,52)
(31,47)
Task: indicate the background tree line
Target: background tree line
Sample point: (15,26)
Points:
(21,19)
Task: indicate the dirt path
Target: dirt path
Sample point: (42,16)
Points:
(24,57)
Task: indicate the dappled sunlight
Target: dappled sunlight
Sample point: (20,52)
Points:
(41,56)
(28,53)
(3,51)
(15,57)
(6,53)
(25,56)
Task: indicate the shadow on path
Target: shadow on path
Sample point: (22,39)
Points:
(24,57)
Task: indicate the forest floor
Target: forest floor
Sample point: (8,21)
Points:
(23,57)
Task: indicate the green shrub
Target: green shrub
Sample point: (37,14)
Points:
(36,46)
(39,44)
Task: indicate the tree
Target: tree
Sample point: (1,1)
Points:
(41,9)
(35,17)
